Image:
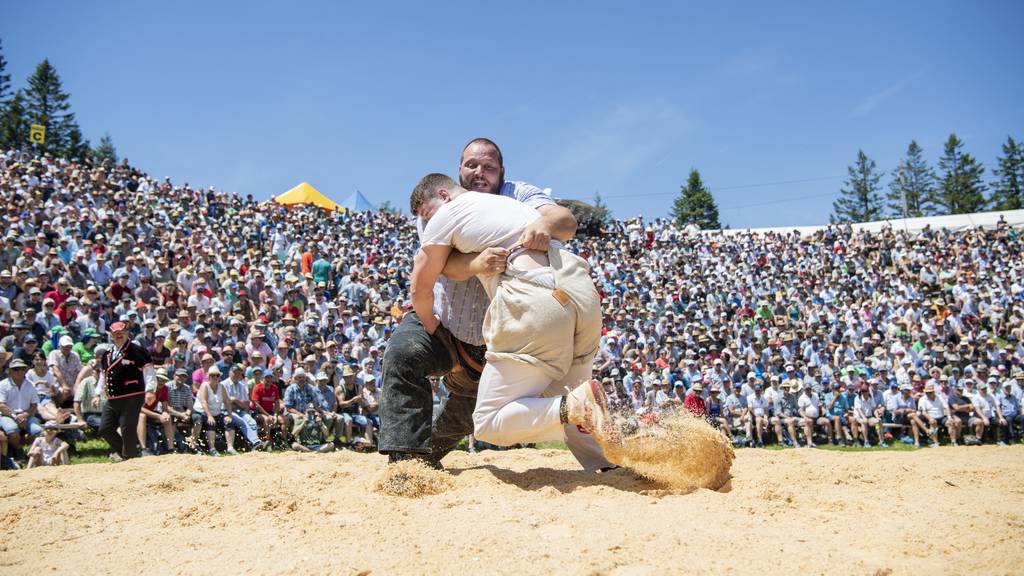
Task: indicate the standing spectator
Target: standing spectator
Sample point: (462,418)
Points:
(126,373)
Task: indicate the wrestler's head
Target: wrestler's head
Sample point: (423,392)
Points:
(481,168)
(432,191)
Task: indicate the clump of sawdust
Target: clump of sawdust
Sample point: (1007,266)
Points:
(678,450)
(411,479)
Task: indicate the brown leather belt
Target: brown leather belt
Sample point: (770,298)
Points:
(465,357)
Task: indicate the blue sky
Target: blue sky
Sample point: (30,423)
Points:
(620,98)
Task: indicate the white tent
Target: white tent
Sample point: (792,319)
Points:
(955,222)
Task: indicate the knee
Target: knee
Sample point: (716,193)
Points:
(484,428)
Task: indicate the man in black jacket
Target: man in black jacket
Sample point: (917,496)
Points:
(126,373)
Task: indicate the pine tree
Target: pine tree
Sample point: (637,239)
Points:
(1009,189)
(47,104)
(601,210)
(961,189)
(696,204)
(915,179)
(860,200)
(77,147)
(5,81)
(13,125)
(105,150)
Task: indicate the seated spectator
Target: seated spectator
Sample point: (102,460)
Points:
(310,433)
(985,412)
(864,416)
(19,403)
(48,449)
(332,420)
(757,416)
(786,412)
(1011,421)
(179,406)
(267,405)
(813,416)
(210,411)
(350,404)
(935,412)
(155,417)
(241,408)
(961,409)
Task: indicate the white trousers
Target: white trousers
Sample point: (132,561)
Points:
(517,403)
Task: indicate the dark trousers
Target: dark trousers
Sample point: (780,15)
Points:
(122,414)
(406,404)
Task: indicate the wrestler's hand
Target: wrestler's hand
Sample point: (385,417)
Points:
(430,324)
(536,236)
(489,262)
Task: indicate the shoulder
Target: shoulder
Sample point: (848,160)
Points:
(525,193)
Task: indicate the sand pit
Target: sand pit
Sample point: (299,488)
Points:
(940,511)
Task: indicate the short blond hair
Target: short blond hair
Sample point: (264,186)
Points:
(427,188)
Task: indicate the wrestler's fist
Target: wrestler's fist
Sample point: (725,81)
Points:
(535,237)
(430,324)
(489,262)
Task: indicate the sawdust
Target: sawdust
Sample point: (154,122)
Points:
(411,479)
(519,512)
(678,450)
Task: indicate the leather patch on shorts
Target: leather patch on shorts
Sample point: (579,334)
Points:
(561,296)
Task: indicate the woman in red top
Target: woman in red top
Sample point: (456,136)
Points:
(694,401)
(153,413)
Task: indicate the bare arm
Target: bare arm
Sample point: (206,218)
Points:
(555,222)
(461,266)
(427,266)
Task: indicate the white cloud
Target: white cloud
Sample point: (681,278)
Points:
(627,138)
(869,104)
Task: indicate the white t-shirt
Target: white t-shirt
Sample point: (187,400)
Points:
(934,408)
(810,405)
(757,405)
(865,406)
(473,221)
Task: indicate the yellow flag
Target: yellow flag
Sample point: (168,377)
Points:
(37,134)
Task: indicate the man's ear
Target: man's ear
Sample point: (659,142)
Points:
(443,194)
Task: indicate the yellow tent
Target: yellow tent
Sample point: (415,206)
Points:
(306,194)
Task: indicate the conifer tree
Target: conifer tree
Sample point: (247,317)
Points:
(1009,188)
(47,104)
(860,200)
(961,189)
(696,204)
(913,180)
(106,151)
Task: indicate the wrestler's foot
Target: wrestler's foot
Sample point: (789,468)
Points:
(587,407)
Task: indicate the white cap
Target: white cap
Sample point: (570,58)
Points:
(66,341)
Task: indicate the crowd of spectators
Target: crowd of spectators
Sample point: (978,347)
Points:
(840,336)
(268,323)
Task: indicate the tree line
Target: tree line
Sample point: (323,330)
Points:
(42,101)
(915,189)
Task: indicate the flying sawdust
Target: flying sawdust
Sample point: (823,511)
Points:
(678,450)
(411,479)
